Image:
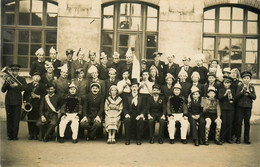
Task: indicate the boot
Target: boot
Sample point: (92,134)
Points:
(206,136)
(217,138)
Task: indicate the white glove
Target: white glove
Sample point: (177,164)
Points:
(97,119)
(149,116)
(127,116)
(163,117)
(84,119)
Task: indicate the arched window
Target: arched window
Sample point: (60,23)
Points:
(231,34)
(123,23)
(27,25)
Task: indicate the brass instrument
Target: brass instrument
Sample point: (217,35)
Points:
(9,78)
(27,105)
(246,89)
(230,97)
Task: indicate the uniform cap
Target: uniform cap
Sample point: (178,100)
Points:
(227,78)
(246,73)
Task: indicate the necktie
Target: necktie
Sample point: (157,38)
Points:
(134,100)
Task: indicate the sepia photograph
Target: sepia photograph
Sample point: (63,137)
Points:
(130,83)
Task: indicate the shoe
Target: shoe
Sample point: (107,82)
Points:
(171,141)
(9,138)
(238,141)
(206,142)
(184,141)
(247,142)
(15,138)
(113,141)
(196,142)
(218,142)
(151,140)
(138,142)
(127,142)
(201,142)
(74,141)
(160,141)
(30,137)
(35,137)
(230,141)
(222,141)
(109,141)
(61,140)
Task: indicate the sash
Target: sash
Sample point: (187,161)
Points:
(47,98)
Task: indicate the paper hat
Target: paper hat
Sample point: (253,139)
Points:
(116,55)
(48,64)
(195,73)
(168,75)
(63,68)
(92,69)
(95,84)
(183,72)
(227,69)
(72,85)
(212,88)
(112,70)
(177,85)
(52,50)
(103,55)
(40,51)
(194,89)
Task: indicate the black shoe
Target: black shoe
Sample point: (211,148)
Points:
(184,141)
(201,142)
(218,142)
(247,142)
(61,140)
(206,142)
(151,140)
(196,142)
(35,137)
(171,141)
(127,142)
(160,141)
(30,137)
(230,141)
(15,138)
(10,138)
(74,141)
(45,139)
(138,142)
(238,141)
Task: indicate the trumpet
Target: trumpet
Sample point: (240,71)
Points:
(230,97)
(9,78)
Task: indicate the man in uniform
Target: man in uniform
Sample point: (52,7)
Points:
(13,101)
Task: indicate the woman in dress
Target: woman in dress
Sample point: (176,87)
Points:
(113,110)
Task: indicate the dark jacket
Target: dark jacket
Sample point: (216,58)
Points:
(174,69)
(45,109)
(224,101)
(195,108)
(166,92)
(177,104)
(93,105)
(158,107)
(161,70)
(118,67)
(242,99)
(102,72)
(128,106)
(76,65)
(38,90)
(72,104)
(37,67)
(203,71)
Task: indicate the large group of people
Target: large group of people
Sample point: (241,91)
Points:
(89,95)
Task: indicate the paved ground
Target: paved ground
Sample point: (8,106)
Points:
(97,153)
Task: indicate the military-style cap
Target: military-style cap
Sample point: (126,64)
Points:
(211,74)
(92,69)
(246,73)
(227,79)
(69,51)
(227,70)
(194,89)
(36,73)
(95,84)
(40,51)
(156,54)
(156,89)
(156,86)
(15,67)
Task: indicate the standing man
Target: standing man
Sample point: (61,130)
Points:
(203,71)
(160,66)
(13,101)
(78,63)
(38,65)
(68,61)
(55,62)
(172,67)
(186,67)
(102,67)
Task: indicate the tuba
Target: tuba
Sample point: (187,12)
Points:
(9,78)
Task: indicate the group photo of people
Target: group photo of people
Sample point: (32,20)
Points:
(110,99)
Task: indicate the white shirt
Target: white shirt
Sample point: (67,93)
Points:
(145,89)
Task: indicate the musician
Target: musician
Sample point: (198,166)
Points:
(78,63)
(62,83)
(102,67)
(93,71)
(48,77)
(55,62)
(92,111)
(177,111)
(13,101)
(160,66)
(186,67)
(117,65)
(49,108)
(71,110)
(68,61)
(38,65)
(36,90)
(172,67)
(226,100)
(245,95)
(203,71)
(124,85)
(133,111)
(112,80)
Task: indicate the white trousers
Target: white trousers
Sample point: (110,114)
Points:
(71,117)
(184,125)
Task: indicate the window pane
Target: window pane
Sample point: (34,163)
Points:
(252,68)
(108,22)
(236,53)
(149,53)
(51,36)
(9,6)
(238,66)
(224,13)
(127,9)
(209,25)
(208,43)
(122,52)
(34,48)
(252,27)
(52,8)
(209,55)
(23,61)
(237,27)
(8,48)
(224,26)
(107,39)
(36,19)
(130,23)
(251,57)
(151,24)
(236,44)
(223,51)
(238,13)
(37,6)
(252,16)
(23,36)
(108,51)
(8,19)
(24,18)
(209,14)
(24,6)
(52,19)
(23,49)
(251,44)
(36,36)
(8,36)
(123,40)
(7,60)
(151,41)
(152,12)
(108,10)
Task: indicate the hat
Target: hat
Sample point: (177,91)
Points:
(39,51)
(194,89)
(156,54)
(144,61)
(227,78)
(52,50)
(216,60)
(80,52)
(112,70)
(183,72)
(116,55)
(92,69)
(144,71)
(227,69)
(111,87)
(129,52)
(63,68)
(134,82)
(211,74)
(36,73)
(236,71)
(185,58)
(103,55)
(79,70)
(212,88)
(48,64)
(72,85)
(95,84)
(69,51)
(156,86)
(15,67)
(177,85)
(125,70)
(168,75)
(246,73)
(195,73)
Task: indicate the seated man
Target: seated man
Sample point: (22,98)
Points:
(133,109)
(177,111)
(49,109)
(92,111)
(70,112)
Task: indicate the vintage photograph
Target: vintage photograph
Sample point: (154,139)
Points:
(123,83)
